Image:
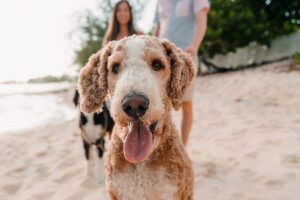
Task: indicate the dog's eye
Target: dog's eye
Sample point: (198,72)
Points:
(115,68)
(156,65)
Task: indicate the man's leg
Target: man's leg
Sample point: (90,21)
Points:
(187,120)
(187,110)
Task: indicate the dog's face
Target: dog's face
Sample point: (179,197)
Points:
(143,76)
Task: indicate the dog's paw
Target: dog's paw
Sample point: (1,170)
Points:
(90,171)
(99,170)
(89,183)
(100,178)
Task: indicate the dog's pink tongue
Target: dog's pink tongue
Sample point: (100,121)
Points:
(138,143)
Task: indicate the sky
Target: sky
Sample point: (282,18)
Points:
(34,36)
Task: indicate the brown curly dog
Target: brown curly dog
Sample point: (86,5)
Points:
(144,77)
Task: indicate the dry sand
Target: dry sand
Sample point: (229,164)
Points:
(245,144)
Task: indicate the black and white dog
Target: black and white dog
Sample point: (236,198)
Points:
(93,128)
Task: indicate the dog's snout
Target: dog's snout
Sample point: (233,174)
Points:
(135,105)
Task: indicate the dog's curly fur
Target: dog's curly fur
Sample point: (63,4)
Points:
(167,171)
(92,82)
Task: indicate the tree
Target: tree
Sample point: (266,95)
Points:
(91,29)
(236,23)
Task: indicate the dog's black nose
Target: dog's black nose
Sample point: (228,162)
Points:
(135,105)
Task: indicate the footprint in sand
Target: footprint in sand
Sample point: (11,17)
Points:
(41,153)
(11,188)
(210,170)
(292,160)
(251,155)
(90,183)
(291,176)
(65,163)
(231,159)
(247,173)
(42,196)
(238,196)
(274,183)
(251,176)
(66,176)
(20,169)
(271,103)
(271,142)
(42,171)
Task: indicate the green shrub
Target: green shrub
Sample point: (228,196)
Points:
(296,57)
(237,23)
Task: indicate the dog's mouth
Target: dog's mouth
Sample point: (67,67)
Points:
(138,143)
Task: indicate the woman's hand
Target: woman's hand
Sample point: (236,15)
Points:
(191,49)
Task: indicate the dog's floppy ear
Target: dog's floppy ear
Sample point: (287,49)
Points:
(92,81)
(182,72)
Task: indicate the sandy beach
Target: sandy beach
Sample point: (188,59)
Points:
(244,145)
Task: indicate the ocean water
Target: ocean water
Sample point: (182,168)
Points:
(25,106)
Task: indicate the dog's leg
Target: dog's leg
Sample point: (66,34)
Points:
(89,158)
(99,167)
(86,147)
(99,160)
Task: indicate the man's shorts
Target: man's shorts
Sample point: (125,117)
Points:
(188,96)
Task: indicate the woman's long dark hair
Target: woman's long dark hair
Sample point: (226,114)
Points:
(114,26)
